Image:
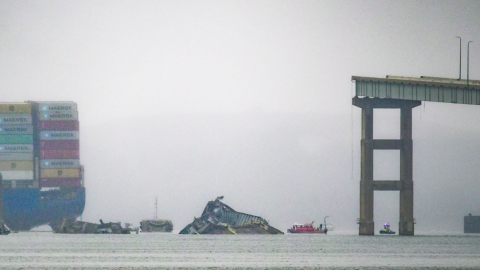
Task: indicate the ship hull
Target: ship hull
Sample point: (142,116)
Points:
(26,208)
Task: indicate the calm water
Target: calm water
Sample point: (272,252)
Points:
(46,250)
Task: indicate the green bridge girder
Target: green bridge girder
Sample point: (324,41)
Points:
(421,89)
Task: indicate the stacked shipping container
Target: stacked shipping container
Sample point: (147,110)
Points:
(16,146)
(39,145)
(58,132)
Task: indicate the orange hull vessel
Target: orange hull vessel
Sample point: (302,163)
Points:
(307,228)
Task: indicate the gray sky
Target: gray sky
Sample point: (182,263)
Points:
(190,100)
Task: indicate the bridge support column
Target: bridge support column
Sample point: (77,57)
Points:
(406,223)
(368,145)
(367,225)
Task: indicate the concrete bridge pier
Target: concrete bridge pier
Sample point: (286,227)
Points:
(405,145)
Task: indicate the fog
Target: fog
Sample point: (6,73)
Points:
(185,101)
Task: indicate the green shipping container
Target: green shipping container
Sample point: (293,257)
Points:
(16,139)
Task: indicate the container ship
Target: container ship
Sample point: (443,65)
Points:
(42,177)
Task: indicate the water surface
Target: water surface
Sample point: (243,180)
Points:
(46,250)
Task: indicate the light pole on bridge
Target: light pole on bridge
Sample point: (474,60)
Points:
(460,74)
(468,60)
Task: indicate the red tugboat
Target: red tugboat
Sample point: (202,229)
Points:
(307,228)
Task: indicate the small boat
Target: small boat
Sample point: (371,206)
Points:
(307,228)
(386,229)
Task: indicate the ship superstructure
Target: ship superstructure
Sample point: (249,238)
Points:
(40,163)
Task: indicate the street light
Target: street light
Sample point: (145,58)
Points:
(460,76)
(468,60)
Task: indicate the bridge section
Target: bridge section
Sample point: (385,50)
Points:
(402,93)
(421,89)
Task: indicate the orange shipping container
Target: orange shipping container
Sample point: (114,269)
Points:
(15,108)
(60,173)
(16,165)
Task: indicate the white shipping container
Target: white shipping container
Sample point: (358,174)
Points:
(17,175)
(59,135)
(15,119)
(20,184)
(57,106)
(15,156)
(16,129)
(60,163)
(61,116)
(16,148)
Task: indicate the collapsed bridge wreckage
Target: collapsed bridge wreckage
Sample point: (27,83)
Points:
(219,218)
(70,226)
(156,225)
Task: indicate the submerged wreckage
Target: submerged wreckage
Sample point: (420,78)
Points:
(219,218)
(156,225)
(70,226)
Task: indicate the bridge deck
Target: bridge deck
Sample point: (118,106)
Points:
(420,89)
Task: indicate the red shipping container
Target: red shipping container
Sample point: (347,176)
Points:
(60,145)
(59,154)
(58,125)
(61,182)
